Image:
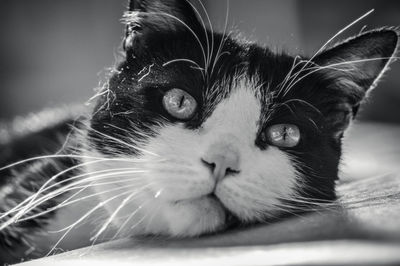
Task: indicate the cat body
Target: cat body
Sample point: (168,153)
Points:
(197,132)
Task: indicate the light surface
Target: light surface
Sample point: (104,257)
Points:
(313,253)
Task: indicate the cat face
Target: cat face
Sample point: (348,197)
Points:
(207,130)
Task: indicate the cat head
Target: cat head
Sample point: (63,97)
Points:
(205,129)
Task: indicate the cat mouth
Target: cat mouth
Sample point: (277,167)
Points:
(231,220)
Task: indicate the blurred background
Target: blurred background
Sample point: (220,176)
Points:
(54,52)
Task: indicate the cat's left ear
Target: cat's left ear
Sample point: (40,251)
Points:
(146,17)
(351,69)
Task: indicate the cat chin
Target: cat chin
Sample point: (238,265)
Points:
(194,217)
(179,219)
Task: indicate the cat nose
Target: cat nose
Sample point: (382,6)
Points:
(222,162)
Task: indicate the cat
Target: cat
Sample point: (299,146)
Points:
(195,132)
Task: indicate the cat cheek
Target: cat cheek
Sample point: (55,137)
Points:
(256,192)
(176,183)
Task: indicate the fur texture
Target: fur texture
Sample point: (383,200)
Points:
(154,173)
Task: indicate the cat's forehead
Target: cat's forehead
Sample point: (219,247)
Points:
(238,92)
(177,58)
(143,78)
(182,63)
(239,108)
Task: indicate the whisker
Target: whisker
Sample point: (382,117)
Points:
(127,220)
(223,39)
(188,61)
(147,73)
(332,38)
(123,142)
(182,60)
(141,220)
(205,34)
(340,64)
(96,177)
(112,216)
(154,211)
(32,197)
(314,124)
(308,201)
(70,227)
(289,74)
(59,174)
(212,35)
(64,189)
(69,201)
(187,27)
(54,156)
(305,103)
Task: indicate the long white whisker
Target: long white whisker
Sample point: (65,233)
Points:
(305,103)
(70,227)
(124,143)
(134,213)
(223,39)
(331,39)
(18,207)
(93,175)
(294,82)
(181,60)
(128,219)
(188,61)
(96,177)
(212,35)
(57,175)
(205,32)
(64,189)
(292,78)
(338,64)
(289,74)
(341,31)
(112,216)
(187,27)
(32,197)
(69,200)
(54,156)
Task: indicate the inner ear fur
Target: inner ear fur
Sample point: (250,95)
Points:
(360,60)
(146,17)
(351,69)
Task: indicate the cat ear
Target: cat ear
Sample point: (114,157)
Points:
(158,16)
(351,69)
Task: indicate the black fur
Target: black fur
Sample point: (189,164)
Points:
(324,113)
(321,105)
(40,134)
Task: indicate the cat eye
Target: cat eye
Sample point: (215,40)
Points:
(179,104)
(283,135)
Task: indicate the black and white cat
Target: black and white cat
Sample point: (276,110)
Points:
(195,132)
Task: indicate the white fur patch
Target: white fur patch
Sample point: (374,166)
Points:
(176,183)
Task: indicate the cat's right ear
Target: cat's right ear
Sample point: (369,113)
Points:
(350,70)
(149,17)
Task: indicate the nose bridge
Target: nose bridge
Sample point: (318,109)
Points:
(231,130)
(238,115)
(222,158)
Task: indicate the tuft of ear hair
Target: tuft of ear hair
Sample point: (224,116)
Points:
(180,8)
(359,62)
(352,68)
(155,16)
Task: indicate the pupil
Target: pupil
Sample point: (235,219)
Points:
(182,99)
(284,133)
